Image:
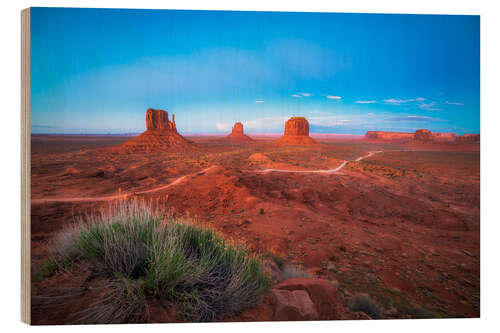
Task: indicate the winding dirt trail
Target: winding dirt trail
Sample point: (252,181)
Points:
(118,196)
(184,178)
(337,169)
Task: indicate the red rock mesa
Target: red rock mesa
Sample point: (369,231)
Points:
(160,135)
(469,138)
(237,134)
(444,137)
(420,136)
(423,135)
(296,132)
(390,136)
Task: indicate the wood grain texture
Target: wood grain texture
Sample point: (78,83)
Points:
(25,168)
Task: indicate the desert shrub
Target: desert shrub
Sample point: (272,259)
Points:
(279,261)
(294,271)
(139,254)
(366,304)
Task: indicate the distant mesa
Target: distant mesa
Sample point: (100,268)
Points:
(237,134)
(296,132)
(423,135)
(420,136)
(469,138)
(444,137)
(389,136)
(160,135)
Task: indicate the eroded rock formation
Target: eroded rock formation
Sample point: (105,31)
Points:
(469,138)
(238,135)
(423,135)
(158,120)
(420,136)
(444,137)
(296,132)
(160,135)
(389,136)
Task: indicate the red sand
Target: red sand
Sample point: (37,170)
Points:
(401,225)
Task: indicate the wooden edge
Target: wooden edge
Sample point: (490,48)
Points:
(25,167)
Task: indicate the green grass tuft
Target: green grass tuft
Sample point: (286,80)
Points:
(143,255)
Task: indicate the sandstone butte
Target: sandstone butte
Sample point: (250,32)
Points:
(237,134)
(296,132)
(160,135)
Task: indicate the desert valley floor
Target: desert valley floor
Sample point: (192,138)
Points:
(397,221)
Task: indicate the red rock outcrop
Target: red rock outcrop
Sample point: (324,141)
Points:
(444,137)
(293,305)
(323,294)
(296,132)
(469,138)
(389,136)
(423,135)
(160,135)
(158,120)
(237,134)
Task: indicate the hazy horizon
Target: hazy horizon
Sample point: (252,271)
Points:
(97,71)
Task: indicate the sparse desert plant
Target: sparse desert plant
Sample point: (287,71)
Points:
(261,211)
(294,271)
(363,302)
(137,253)
(280,262)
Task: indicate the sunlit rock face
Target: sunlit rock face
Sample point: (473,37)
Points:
(237,134)
(296,132)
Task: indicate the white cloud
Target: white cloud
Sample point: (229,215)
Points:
(296,95)
(259,101)
(318,112)
(224,127)
(328,121)
(429,106)
(265,124)
(333,97)
(395,101)
(412,118)
(371,114)
(305,94)
(365,102)
(454,103)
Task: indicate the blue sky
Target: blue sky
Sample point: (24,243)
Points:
(97,71)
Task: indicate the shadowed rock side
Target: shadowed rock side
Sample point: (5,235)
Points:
(160,135)
(469,138)
(296,132)
(237,134)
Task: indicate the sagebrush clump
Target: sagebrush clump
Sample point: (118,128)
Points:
(142,255)
(363,302)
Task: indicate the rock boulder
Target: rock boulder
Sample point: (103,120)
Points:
(293,305)
(322,293)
